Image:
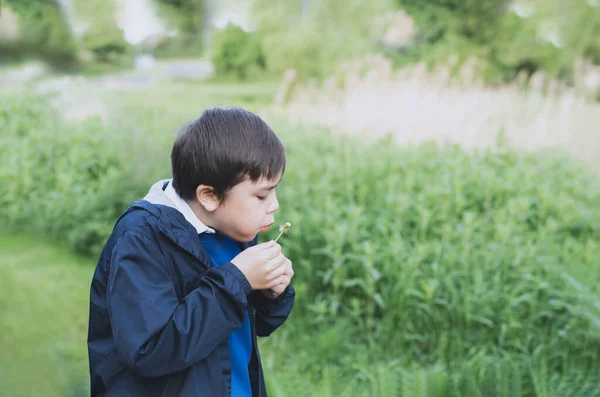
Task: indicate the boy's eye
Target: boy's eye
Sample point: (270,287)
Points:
(262,198)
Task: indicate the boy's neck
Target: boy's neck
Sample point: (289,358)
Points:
(202,215)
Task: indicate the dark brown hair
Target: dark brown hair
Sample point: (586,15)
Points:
(223,147)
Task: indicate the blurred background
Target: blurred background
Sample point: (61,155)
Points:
(442,181)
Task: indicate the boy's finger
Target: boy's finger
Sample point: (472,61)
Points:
(277,272)
(276,262)
(289,271)
(273,251)
(278,281)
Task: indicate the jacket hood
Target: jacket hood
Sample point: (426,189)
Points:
(156,195)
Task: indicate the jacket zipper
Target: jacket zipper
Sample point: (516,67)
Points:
(256,348)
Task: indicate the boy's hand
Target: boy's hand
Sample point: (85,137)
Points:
(284,281)
(263,265)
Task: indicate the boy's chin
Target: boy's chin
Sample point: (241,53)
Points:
(245,238)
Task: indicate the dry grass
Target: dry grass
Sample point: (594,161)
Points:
(369,99)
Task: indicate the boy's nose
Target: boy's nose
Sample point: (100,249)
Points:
(274,206)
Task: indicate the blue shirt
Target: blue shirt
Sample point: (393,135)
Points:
(223,249)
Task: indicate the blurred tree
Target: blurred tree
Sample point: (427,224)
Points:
(188,16)
(105,42)
(511,36)
(43,30)
(237,53)
(477,20)
(312,36)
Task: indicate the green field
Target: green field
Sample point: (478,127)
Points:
(421,271)
(44,303)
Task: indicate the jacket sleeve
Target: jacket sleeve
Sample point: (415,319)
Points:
(272,313)
(156,333)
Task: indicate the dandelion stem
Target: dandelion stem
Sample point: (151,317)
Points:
(283,229)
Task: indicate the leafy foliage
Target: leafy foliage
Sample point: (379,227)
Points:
(43,30)
(510,36)
(105,42)
(190,14)
(237,53)
(66,174)
(188,18)
(313,39)
(102,37)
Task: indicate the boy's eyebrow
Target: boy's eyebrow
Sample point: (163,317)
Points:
(269,187)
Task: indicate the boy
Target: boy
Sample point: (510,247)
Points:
(182,288)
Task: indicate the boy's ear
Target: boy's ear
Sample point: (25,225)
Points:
(207,198)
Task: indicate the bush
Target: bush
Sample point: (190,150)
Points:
(103,40)
(492,31)
(236,53)
(59,179)
(106,43)
(43,31)
(188,18)
(314,40)
(437,254)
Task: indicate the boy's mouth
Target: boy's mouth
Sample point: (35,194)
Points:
(266,228)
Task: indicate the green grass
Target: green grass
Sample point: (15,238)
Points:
(44,294)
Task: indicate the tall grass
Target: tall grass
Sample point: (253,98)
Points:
(434,256)
(492,377)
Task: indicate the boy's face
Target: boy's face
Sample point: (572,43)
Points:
(247,209)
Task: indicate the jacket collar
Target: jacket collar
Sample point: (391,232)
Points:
(173,225)
(182,206)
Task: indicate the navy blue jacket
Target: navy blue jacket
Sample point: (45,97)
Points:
(160,313)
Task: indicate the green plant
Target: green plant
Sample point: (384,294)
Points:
(66,174)
(43,31)
(509,36)
(466,253)
(188,18)
(236,53)
(106,43)
(314,39)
